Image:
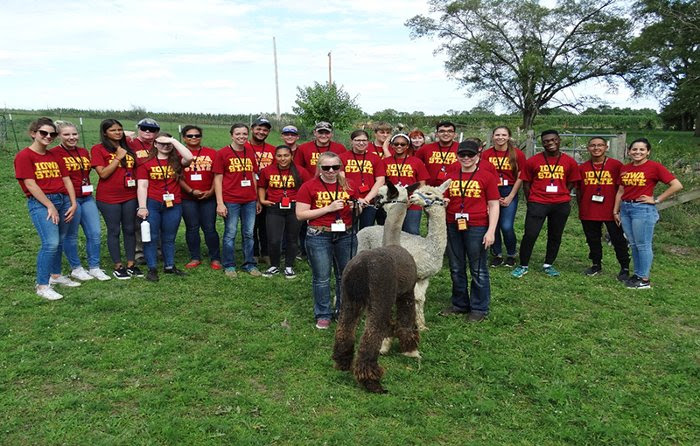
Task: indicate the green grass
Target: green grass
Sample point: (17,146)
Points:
(208,360)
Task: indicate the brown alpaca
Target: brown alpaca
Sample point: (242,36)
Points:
(375,280)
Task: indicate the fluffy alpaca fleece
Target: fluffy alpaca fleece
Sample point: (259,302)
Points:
(427,252)
(374,280)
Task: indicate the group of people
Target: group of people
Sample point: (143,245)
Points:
(314,197)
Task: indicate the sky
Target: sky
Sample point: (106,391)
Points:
(216,56)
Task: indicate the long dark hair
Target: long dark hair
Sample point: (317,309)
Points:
(107,143)
(292,167)
(173,159)
(512,155)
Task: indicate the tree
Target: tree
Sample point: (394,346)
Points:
(326,102)
(526,55)
(669,49)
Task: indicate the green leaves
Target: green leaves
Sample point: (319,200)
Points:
(326,102)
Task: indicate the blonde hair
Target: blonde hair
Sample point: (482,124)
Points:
(332,156)
(60,125)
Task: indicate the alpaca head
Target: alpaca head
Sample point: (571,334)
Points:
(389,194)
(427,196)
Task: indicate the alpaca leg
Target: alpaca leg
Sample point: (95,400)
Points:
(386,346)
(366,369)
(353,305)
(407,330)
(420,289)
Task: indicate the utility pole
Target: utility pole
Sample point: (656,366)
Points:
(277,81)
(330,78)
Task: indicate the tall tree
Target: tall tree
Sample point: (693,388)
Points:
(526,55)
(326,102)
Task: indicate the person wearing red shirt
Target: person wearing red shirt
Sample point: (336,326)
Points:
(277,192)
(417,141)
(141,142)
(548,178)
(290,136)
(160,199)
(264,155)
(51,202)
(77,162)
(508,161)
(472,216)
(366,170)
(198,200)
(440,155)
(635,206)
(382,133)
(595,194)
(404,170)
(115,164)
(309,152)
(326,202)
(235,186)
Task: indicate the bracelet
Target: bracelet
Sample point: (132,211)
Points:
(139,209)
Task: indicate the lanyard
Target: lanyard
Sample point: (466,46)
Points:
(400,169)
(500,161)
(286,179)
(599,174)
(443,155)
(78,160)
(165,174)
(262,152)
(463,188)
(361,166)
(550,169)
(379,153)
(335,197)
(245,175)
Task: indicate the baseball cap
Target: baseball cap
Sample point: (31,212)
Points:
(149,123)
(261,121)
(290,129)
(323,125)
(469,148)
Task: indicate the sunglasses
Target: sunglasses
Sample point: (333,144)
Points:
(193,136)
(467,155)
(149,129)
(335,167)
(399,144)
(44,133)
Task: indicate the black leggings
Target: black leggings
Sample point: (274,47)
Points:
(556,215)
(118,217)
(282,222)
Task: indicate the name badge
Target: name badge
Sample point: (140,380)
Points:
(245,183)
(257,177)
(338,226)
(552,188)
(504,182)
(130,182)
(462,224)
(168,197)
(87,188)
(462,215)
(196,177)
(363,189)
(597,198)
(285,203)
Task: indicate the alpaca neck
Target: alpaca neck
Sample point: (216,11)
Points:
(437,229)
(392,226)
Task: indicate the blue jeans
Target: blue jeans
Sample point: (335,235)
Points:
(246,213)
(367,216)
(463,246)
(48,260)
(88,217)
(201,214)
(325,250)
(411,223)
(506,219)
(164,223)
(638,221)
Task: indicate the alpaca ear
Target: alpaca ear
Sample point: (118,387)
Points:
(443,187)
(392,191)
(412,188)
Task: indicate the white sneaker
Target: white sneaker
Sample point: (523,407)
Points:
(98,274)
(48,293)
(80,274)
(63,280)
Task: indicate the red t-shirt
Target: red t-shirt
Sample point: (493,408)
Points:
(236,167)
(437,160)
(375,149)
(318,194)
(641,180)
(482,165)
(47,170)
(77,164)
(113,190)
(470,195)
(140,148)
(264,155)
(406,171)
(202,163)
(277,182)
(161,179)
(601,179)
(501,162)
(362,170)
(544,172)
(308,153)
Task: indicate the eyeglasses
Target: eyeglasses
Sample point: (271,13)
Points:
(360,141)
(399,144)
(193,136)
(44,133)
(149,129)
(335,167)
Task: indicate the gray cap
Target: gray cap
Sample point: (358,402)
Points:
(323,125)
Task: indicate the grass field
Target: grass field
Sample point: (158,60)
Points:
(208,360)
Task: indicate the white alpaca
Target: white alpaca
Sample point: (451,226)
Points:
(428,251)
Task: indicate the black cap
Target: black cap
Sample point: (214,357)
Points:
(262,122)
(468,148)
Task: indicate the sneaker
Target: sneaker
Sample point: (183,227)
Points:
(231,272)
(121,273)
(254,272)
(593,270)
(271,271)
(289,273)
(63,280)
(173,270)
(448,310)
(98,274)
(48,293)
(216,265)
(134,271)
(510,262)
(519,271)
(475,316)
(623,275)
(152,275)
(323,324)
(193,264)
(638,284)
(496,261)
(551,271)
(80,274)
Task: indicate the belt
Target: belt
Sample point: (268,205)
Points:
(328,229)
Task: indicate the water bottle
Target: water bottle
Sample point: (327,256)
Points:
(145,231)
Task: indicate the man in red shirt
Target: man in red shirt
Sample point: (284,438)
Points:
(308,153)
(600,179)
(548,179)
(441,154)
(264,155)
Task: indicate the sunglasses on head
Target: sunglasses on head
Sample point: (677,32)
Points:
(44,133)
(328,168)
(149,129)
(195,135)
